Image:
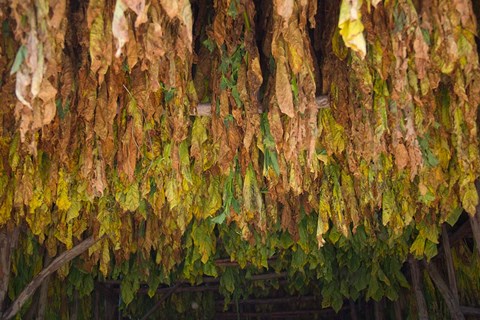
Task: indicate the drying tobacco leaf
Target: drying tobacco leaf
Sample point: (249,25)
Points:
(97,138)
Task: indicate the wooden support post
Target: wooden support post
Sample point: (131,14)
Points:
(8,242)
(73,309)
(96,311)
(61,260)
(378,308)
(397,309)
(452,281)
(353,310)
(417,288)
(447,295)
(43,299)
(475,222)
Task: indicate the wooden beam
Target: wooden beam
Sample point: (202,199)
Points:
(475,224)
(205,109)
(8,242)
(160,301)
(230,263)
(282,300)
(207,284)
(417,288)
(475,221)
(447,295)
(470,311)
(276,314)
(43,299)
(461,233)
(452,281)
(353,310)
(397,309)
(61,260)
(378,310)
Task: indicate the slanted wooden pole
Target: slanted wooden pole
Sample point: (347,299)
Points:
(61,260)
(452,281)
(417,288)
(442,287)
(160,301)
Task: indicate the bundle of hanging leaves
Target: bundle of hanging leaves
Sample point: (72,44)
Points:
(97,135)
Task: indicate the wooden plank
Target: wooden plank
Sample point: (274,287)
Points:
(442,287)
(353,310)
(452,281)
(277,314)
(470,311)
(378,310)
(397,309)
(43,299)
(264,301)
(205,109)
(475,221)
(8,242)
(417,288)
(160,301)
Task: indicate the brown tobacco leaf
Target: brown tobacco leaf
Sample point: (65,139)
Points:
(284,8)
(120,29)
(140,8)
(120,26)
(282,89)
(181,10)
(127,156)
(401,156)
(421,54)
(100,41)
(47,95)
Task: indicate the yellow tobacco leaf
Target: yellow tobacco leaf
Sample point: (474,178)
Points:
(214,201)
(324,211)
(418,246)
(74,210)
(351,27)
(251,193)
(469,198)
(132,197)
(63,202)
(105,258)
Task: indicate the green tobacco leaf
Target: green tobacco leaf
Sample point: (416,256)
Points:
(19,58)
(132,197)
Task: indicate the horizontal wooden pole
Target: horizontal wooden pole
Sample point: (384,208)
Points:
(282,300)
(470,311)
(277,314)
(205,109)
